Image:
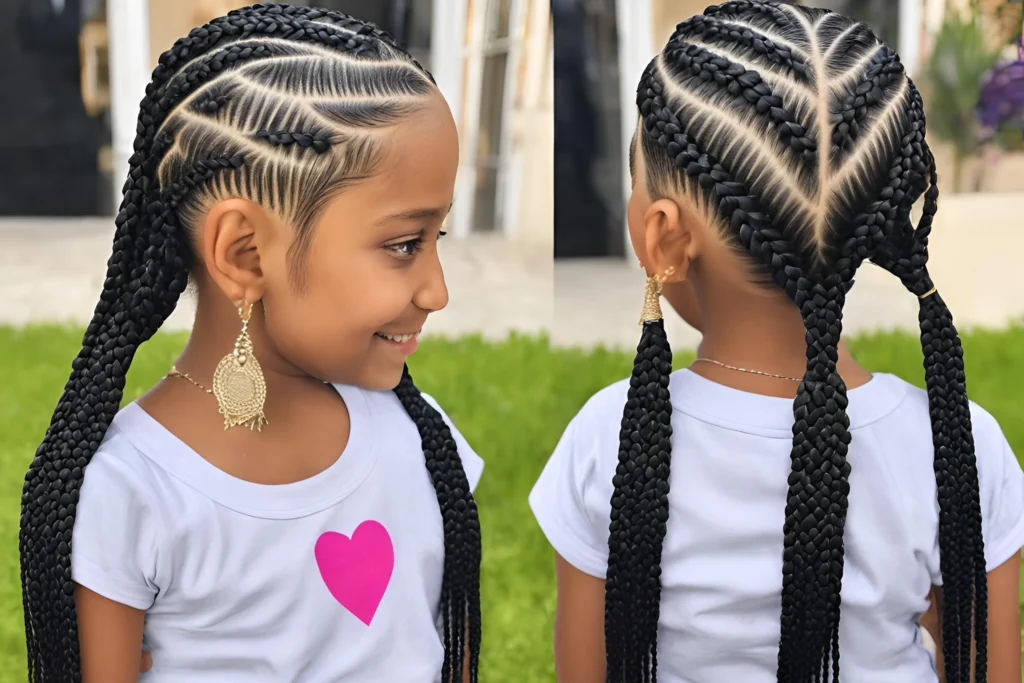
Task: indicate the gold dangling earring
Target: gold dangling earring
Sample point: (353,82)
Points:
(238,382)
(651,311)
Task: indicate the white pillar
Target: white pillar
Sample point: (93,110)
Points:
(130,72)
(448,50)
(911,13)
(635,23)
(447,44)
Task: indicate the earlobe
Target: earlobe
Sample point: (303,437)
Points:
(668,240)
(230,250)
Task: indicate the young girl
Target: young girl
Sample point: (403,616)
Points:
(717,526)
(297,167)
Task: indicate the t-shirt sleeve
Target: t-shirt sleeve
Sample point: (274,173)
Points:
(114,542)
(472,463)
(1001,489)
(1001,483)
(571,511)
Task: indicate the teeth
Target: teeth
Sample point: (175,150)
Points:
(400,338)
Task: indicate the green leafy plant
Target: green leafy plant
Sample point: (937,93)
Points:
(956,68)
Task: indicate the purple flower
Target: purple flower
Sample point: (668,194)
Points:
(1002,99)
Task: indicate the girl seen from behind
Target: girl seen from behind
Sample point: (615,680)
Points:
(774,506)
(295,166)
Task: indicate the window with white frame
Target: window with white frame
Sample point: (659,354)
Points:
(492,51)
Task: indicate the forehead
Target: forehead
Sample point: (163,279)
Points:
(416,172)
(421,158)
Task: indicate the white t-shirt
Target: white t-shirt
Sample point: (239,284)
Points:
(722,557)
(333,578)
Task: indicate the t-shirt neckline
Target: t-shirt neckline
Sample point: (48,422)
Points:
(269,501)
(744,411)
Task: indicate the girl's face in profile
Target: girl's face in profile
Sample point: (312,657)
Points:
(372,274)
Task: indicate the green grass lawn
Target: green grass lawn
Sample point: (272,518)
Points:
(510,400)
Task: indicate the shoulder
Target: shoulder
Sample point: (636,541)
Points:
(902,422)
(119,528)
(385,407)
(602,411)
(988,435)
(119,471)
(591,439)
(586,455)
(472,463)
(122,480)
(571,499)
(1000,477)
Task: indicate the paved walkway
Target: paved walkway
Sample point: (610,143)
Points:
(52,270)
(606,296)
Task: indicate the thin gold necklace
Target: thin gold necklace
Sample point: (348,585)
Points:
(177,373)
(752,372)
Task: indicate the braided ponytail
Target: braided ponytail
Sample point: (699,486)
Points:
(639,513)
(812,568)
(737,114)
(216,75)
(961,545)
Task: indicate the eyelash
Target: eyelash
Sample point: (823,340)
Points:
(417,245)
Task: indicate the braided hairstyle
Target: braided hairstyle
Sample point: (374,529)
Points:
(797,134)
(284,106)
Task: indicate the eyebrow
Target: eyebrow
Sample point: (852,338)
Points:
(416,214)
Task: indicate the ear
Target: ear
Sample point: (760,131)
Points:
(669,241)
(229,248)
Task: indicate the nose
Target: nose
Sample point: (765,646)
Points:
(432,294)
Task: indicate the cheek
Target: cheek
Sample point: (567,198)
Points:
(635,220)
(328,328)
(683,299)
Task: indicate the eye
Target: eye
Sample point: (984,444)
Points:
(409,248)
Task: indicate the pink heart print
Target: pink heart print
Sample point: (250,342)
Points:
(357,570)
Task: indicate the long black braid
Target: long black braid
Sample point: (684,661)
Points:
(962,549)
(798,134)
(253,104)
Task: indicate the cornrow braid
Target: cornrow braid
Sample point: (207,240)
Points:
(739,81)
(319,140)
(884,68)
(717,32)
(752,12)
(808,158)
(961,545)
(284,106)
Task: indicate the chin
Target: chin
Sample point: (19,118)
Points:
(381,379)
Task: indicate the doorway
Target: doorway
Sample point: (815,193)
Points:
(589,206)
(50,150)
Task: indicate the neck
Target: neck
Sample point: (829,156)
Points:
(760,331)
(216,327)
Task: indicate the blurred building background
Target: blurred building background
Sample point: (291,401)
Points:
(961,55)
(604,45)
(75,71)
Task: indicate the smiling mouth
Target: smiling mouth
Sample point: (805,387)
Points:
(398,338)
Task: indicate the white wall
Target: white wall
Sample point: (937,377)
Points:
(534,134)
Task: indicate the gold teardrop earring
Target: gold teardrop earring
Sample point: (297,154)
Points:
(651,311)
(238,382)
